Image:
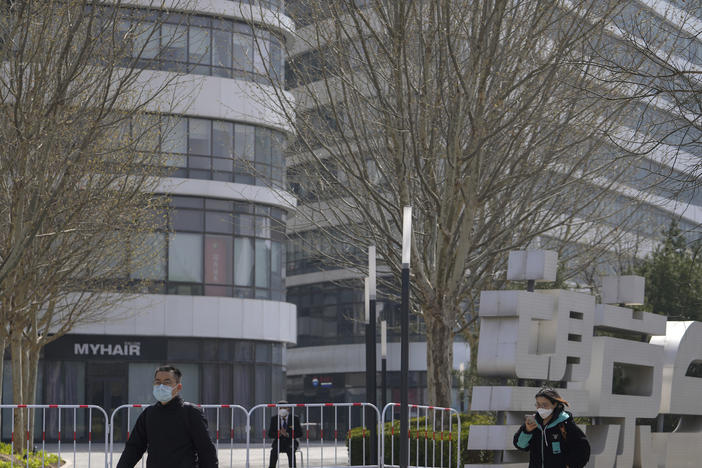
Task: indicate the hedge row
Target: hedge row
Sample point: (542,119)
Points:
(430,443)
(19,460)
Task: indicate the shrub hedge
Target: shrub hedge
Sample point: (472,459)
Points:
(35,458)
(427,439)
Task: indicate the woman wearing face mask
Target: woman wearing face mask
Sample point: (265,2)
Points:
(550,436)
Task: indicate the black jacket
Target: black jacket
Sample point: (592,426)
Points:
(175,436)
(294,430)
(561,443)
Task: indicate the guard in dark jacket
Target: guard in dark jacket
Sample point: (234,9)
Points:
(174,433)
(284,430)
(552,440)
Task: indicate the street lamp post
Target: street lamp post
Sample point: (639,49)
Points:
(371,352)
(404,344)
(384,362)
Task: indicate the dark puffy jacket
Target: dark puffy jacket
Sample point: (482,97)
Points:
(174,435)
(560,444)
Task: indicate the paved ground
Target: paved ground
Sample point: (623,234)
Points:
(228,457)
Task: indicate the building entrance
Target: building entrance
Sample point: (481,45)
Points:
(107,387)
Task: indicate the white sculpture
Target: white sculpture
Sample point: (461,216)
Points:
(550,335)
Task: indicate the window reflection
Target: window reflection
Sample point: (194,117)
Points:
(200,45)
(219,248)
(213,149)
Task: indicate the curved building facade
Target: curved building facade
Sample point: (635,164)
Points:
(213,301)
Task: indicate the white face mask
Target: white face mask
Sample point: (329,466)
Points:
(544,413)
(283,413)
(163,393)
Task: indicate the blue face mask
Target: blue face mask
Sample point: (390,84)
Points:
(163,393)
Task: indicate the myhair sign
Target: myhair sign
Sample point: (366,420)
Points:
(611,363)
(108,348)
(102,349)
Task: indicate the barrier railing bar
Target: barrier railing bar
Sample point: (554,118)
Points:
(90,435)
(307,437)
(442,439)
(43,437)
(231,442)
(336,433)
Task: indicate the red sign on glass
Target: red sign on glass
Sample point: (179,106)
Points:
(218,259)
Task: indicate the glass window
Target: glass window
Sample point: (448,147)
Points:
(190,381)
(242,52)
(186,202)
(146,40)
(244,142)
(276,266)
(145,130)
(243,351)
(187,220)
(263,226)
(173,42)
(199,46)
(263,352)
(199,136)
(141,374)
(244,225)
(223,139)
(243,379)
(175,132)
(243,261)
(218,259)
(261,56)
(263,262)
(276,61)
(222,49)
(263,384)
(148,257)
(220,222)
(219,205)
(263,145)
(185,258)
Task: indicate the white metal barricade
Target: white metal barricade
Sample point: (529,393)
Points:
(77,428)
(324,424)
(436,431)
(230,411)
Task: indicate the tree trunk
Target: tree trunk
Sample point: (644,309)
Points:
(17,390)
(439,360)
(31,387)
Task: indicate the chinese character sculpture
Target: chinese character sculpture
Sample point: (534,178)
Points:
(614,365)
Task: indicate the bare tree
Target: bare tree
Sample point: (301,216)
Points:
(80,126)
(654,62)
(484,116)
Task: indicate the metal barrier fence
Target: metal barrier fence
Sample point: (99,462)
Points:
(441,419)
(325,432)
(218,419)
(80,428)
(333,428)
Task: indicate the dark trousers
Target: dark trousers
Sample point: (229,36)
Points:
(284,448)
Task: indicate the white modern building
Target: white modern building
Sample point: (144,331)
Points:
(330,346)
(216,306)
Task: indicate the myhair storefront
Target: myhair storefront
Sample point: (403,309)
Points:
(110,371)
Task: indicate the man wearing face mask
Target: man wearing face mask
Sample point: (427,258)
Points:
(284,430)
(550,436)
(172,432)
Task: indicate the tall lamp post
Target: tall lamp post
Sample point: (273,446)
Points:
(404,344)
(371,352)
(384,362)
